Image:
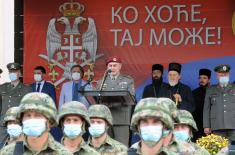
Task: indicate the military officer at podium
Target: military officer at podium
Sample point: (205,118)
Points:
(11,93)
(121,113)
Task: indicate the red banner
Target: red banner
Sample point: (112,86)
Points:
(140,32)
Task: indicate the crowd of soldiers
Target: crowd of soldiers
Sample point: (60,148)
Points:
(164,119)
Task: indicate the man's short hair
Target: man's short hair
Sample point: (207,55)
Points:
(41,68)
(80,67)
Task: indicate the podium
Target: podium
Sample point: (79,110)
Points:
(110,98)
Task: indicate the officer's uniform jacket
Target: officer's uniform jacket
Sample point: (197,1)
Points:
(219,107)
(121,114)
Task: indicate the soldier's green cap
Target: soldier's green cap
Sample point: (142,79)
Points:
(73,107)
(11,115)
(39,102)
(0,70)
(222,68)
(185,117)
(100,111)
(13,66)
(153,107)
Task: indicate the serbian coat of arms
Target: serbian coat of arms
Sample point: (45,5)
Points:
(70,46)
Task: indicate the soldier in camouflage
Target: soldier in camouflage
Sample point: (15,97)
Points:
(11,92)
(101,120)
(183,130)
(150,120)
(14,129)
(37,114)
(73,119)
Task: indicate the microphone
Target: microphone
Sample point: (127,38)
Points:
(82,88)
(104,77)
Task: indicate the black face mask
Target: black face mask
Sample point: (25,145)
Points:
(157,81)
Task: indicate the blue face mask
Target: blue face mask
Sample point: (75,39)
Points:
(181,135)
(96,130)
(72,130)
(34,127)
(13,76)
(224,80)
(165,133)
(151,134)
(14,130)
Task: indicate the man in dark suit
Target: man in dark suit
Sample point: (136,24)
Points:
(199,97)
(157,87)
(40,85)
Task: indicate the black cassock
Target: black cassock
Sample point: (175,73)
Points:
(186,96)
(154,90)
(199,97)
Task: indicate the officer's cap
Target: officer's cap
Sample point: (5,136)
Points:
(13,66)
(222,68)
(113,59)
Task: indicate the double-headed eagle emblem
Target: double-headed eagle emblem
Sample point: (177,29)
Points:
(65,49)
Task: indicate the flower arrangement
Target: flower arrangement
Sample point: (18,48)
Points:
(213,143)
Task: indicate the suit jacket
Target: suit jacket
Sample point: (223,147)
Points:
(121,114)
(66,93)
(219,107)
(47,88)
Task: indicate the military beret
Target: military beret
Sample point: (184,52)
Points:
(0,70)
(205,72)
(222,68)
(13,66)
(174,67)
(113,59)
(157,67)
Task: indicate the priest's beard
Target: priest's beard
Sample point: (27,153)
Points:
(157,82)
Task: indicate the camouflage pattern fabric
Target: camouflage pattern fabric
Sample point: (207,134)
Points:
(110,147)
(51,148)
(11,115)
(101,111)
(185,117)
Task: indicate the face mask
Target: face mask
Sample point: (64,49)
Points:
(14,130)
(76,76)
(151,135)
(72,130)
(165,133)
(34,127)
(13,76)
(172,83)
(181,135)
(96,130)
(224,80)
(37,77)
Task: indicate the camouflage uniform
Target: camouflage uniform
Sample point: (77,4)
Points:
(11,115)
(153,107)
(43,104)
(109,146)
(185,117)
(77,108)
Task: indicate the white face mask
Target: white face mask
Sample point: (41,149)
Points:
(96,130)
(151,135)
(13,76)
(76,76)
(72,130)
(37,77)
(224,80)
(14,130)
(34,127)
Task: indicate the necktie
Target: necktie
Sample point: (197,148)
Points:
(38,88)
(75,92)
